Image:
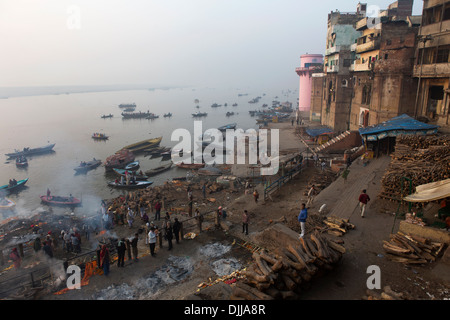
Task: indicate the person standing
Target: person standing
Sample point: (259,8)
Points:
(37,244)
(363,200)
(121,248)
(104,260)
(47,248)
(15,257)
(256,195)
(169,234)
(302,219)
(152,241)
(157,210)
(245,221)
(177,228)
(134,247)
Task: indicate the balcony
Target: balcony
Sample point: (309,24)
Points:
(353,47)
(368,46)
(436,70)
(331,69)
(332,50)
(361,24)
(358,65)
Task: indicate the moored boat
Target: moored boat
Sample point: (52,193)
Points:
(144,144)
(119,160)
(86,166)
(230,126)
(159,169)
(61,200)
(167,115)
(127,105)
(131,185)
(107,116)
(31,151)
(190,165)
(138,176)
(132,166)
(199,114)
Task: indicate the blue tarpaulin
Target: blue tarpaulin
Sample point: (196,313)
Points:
(403,124)
(317,131)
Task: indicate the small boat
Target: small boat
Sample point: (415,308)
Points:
(61,200)
(167,115)
(99,136)
(139,177)
(31,151)
(235,104)
(152,116)
(14,186)
(159,169)
(215,105)
(156,152)
(226,127)
(144,144)
(190,165)
(131,185)
(209,171)
(199,114)
(86,166)
(21,162)
(129,109)
(6,204)
(119,160)
(137,115)
(107,116)
(127,105)
(132,166)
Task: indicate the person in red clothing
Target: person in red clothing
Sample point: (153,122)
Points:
(363,200)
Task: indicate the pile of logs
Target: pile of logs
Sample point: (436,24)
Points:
(338,226)
(410,249)
(421,159)
(282,273)
(331,225)
(386,294)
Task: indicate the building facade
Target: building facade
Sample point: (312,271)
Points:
(309,64)
(383,67)
(432,64)
(337,84)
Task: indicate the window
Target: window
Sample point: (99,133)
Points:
(446,12)
(388,42)
(442,55)
(386,56)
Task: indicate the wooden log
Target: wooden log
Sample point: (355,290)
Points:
(290,284)
(255,276)
(288,262)
(274,293)
(396,252)
(310,269)
(261,286)
(293,274)
(262,264)
(336,247)
(277,266)
(253,291)
(240,293)
(395,295)
(306,249)
(289,295)
(321,252)
(264,255)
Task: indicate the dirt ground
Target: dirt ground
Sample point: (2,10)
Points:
(346,282)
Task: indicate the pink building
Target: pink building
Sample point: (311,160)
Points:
(309,64)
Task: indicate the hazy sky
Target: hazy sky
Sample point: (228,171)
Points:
(212,43)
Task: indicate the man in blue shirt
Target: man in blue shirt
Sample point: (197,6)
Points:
(302,219)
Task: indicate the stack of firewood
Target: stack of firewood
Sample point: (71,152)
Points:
(420,159)
(410,249)
(338,226)
(282,274)
(331,225)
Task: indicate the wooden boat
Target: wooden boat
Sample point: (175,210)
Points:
(127,105)
(157,151)
(144,144)
(107,116)
(119,160)
(229,114)
(31,151)
(190,165)
(131,185)
(209,171)
(139,177)
(11,188)
(21,162)
(230,126)
(6,204)
(235,104)
(136,115)
(159,169)
(99,136)
(152,116)
(86,166)
(167,115)
(199,114)
(132,166)
(61,200)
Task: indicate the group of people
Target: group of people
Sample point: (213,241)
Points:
(12,183)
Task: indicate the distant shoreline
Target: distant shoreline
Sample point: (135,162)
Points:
(15,92)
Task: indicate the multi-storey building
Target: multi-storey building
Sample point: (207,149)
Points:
(310,64)
(432,64)
(382,70)
(337,85)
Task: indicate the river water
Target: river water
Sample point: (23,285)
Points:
(68,120)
